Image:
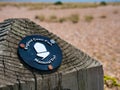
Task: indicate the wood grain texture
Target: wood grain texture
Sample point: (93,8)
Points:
(78,70)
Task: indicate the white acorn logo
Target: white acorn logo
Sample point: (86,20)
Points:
(41,50)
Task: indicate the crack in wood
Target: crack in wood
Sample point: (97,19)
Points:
(76,64)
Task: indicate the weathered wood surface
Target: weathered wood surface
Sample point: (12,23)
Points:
(77,72)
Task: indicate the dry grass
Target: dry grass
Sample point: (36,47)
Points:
(103,16)
(62,19)
(78,5)
(40,17)
(115,12)
(114,3)
(74,18)
(31,6)
(53,18)
(37,6)
(89,18)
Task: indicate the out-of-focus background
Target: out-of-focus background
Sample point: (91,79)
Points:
(90,25)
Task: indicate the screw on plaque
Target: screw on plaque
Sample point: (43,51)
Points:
(22,45)
(50,67)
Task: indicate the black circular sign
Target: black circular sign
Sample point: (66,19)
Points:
(40,52)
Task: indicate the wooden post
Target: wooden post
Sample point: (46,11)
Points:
(78,70)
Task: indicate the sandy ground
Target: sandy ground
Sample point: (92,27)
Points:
(99,38)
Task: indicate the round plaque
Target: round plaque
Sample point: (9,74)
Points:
(40,52)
